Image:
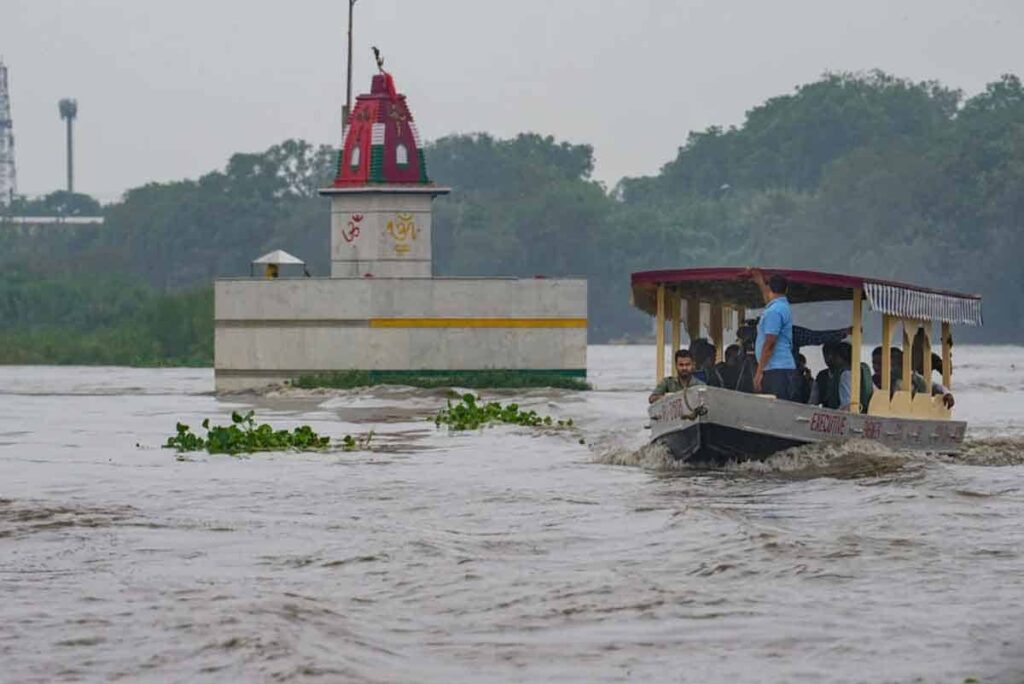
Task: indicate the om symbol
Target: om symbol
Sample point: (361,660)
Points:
(353,228)
(403,230)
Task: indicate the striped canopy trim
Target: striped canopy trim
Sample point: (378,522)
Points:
(899,301)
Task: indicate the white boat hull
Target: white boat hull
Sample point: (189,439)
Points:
(714,425)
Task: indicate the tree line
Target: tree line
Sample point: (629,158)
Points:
(859,173)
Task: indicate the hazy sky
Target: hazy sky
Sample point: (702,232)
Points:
(169,90)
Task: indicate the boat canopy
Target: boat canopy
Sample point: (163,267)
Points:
(734,286)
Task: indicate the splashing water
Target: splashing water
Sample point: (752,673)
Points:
(992,451)
(649,457)
(847,459)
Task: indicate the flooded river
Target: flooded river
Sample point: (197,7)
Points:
(503,555)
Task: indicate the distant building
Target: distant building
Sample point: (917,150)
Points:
(37,224)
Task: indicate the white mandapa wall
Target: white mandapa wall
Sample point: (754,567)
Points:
(267,331)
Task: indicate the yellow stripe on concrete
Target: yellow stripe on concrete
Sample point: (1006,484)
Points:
(478,322)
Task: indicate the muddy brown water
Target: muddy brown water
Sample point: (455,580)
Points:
(504,555)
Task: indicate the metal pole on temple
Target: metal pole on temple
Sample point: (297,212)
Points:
(348,81)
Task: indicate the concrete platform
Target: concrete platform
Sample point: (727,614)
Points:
(269,331)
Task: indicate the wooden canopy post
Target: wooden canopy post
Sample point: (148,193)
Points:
(717,325)
(886,356)
(676,316)
(855,356)
(692,318)
(947,356)
(926,355)
(659,335)
(728,323)
(909,330)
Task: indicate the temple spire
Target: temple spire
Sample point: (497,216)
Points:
(381,143)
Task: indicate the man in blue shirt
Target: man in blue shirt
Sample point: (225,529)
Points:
(776,368)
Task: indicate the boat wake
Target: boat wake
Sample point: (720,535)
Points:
(649,457)
(857,458)
(848,459)
(992,451)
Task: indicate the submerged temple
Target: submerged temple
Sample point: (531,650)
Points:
(382,310)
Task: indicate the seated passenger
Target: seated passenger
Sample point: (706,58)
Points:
(703,353)
(746,335)
(825,391)
(918,383)
(895,369)
(845,352)
(917,362)
(729,370)
(682,380)
(805,380)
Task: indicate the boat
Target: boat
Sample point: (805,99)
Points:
(712,425)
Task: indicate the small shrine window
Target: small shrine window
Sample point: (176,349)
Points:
(353,157)
(401,154)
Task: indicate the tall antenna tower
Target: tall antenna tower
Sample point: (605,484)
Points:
(69,112)
(8,174)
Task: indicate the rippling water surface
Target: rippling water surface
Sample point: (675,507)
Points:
(508,554)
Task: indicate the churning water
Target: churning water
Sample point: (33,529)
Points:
(504,555)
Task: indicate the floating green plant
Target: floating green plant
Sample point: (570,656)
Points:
(350,443)
(244,436)
(470,413)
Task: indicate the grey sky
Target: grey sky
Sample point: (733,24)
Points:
(169,90)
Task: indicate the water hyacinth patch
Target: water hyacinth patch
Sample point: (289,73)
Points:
(350,443)
(244,436)
(471,413)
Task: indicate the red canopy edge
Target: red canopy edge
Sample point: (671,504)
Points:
(734,286)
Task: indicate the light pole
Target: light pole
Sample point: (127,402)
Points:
(69,112)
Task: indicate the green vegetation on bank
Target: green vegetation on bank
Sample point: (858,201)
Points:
(468,379)
(102,320)
(857,173)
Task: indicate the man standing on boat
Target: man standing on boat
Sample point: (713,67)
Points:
(776,369)
(682,380)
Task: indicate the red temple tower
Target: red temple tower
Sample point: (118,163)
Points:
(381,197)
(380,142)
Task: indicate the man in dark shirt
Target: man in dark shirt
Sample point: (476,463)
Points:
(825,391)
(748,361)
(703,353)
(728,371)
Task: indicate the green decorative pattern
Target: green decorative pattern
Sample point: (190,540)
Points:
(423,166)
(377,164)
